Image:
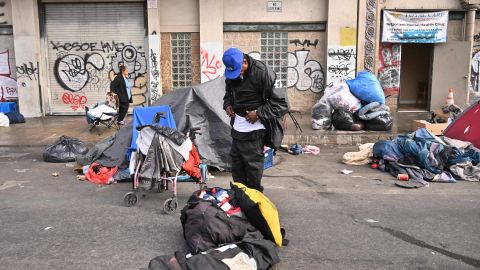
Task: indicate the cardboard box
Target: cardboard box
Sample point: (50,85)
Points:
(436,129)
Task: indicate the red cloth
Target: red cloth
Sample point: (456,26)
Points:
(103,176)
(191,166)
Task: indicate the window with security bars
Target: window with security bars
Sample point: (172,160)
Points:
(181,59)
(274,52)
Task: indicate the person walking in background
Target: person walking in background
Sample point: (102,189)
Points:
(123,88)
(255,107)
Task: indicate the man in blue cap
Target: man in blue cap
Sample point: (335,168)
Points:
(255,108)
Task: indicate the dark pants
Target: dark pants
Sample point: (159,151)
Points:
(247,160)
(122,110)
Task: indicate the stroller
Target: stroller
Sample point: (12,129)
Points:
(103,113)
(158,161)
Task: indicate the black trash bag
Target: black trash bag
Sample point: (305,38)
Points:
(64,150)
(380,123)
(342,120)
(15,117)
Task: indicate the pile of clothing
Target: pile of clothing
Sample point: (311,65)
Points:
(426,157)
(227,229)
(353,105)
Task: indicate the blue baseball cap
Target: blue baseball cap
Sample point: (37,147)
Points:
(233,60)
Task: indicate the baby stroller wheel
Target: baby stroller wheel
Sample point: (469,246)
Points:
(130,199)
(170,205)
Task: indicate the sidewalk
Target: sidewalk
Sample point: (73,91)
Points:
(42,131)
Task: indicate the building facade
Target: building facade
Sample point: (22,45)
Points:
(58,56)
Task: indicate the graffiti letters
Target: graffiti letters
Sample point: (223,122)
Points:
(389,71)
(71,70)
(28,70)
(102,46)
(475,76)
(74,101)
(211,64)
(8,85)
(304,43)
(341,62)
(304,74)
(155,75)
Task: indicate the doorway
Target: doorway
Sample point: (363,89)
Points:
(415,77)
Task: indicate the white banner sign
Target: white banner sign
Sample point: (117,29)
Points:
(407,27)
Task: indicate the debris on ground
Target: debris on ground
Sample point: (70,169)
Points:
(21,170)
(55,174)
(345,171)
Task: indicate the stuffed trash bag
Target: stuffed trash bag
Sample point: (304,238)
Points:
(322,114)
(340,97)
(64,150)
(345,120)
(366,87)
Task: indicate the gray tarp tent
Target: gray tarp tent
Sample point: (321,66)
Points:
(204,104)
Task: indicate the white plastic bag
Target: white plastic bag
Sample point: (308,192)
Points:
(340,97)
(4,121)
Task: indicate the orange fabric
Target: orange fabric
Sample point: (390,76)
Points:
(191,166)
(104,175)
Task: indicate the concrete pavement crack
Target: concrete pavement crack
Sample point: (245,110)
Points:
(414,241)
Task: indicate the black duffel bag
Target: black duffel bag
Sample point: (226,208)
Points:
(64,150)
(15,117)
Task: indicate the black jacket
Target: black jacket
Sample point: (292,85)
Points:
(118,87)
(257,92)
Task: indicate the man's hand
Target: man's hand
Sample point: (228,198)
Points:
(230,112)
(251,116)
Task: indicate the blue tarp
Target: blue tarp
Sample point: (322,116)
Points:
(144,116)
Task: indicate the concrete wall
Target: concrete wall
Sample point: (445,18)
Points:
(292,11)
(27,54)
(179,15)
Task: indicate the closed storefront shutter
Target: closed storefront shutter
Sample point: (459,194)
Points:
(87,42)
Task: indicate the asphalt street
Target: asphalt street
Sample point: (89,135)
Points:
(333,221)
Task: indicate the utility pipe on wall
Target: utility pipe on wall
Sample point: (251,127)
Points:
(470,27)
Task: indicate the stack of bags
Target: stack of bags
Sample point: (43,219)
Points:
(353,105)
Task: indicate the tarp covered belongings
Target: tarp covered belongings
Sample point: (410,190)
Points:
(204,104)
(64,150)
(95,152)
(260,211)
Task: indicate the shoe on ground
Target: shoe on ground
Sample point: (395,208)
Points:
(121,123)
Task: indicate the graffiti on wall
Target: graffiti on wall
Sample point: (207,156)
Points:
(86,69)
(8,85)
(154,64)
(211,61)
(370,33)
(474,83)
(71,70)
(304,74)
(74,101)
(389,71)
(304,43)
(341,62)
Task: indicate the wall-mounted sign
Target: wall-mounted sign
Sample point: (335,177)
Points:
(274,6)
(415,27)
